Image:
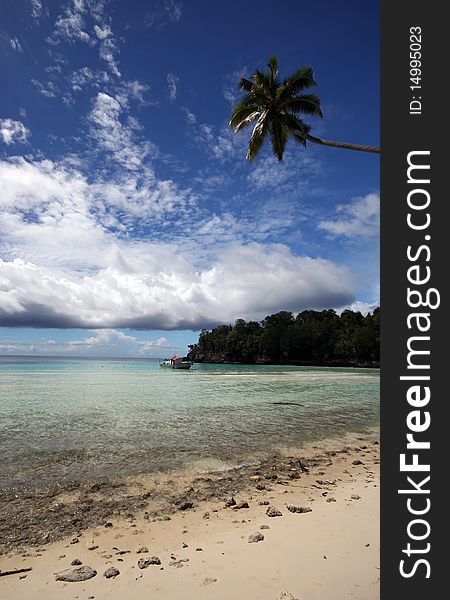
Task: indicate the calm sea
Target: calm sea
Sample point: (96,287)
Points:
(78,419)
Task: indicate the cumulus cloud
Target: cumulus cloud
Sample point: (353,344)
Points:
(360,218)
(172,81)
(101,337)
(69,261)
(153,288)
(12,131)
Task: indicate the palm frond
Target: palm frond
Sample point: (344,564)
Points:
(298,128)
(258,136)
(253,116)
(240,112)
(279,134)
(262,81)
(245,85)
(296,83)
(273,65)
(308,104)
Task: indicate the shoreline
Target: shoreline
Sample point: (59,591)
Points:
(37,516)
(263,363)
(176,518)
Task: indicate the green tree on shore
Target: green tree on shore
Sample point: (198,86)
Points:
(274,106)
(312,337)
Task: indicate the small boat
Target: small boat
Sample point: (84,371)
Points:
(176,363)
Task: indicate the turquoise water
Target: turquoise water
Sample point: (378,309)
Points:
(78,419)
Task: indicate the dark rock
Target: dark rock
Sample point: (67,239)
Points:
(111,572)
(178,563)
(208,581)
(143,563)
(298,509)
(241,505)
(94,547)
(76,562)
(79,574)
(186,505)
(108,524)
(284,595)
(255,537)
(273,512)
(75,541)
(230,502)
(264,527)
(263,503)
(330,499)
(142,550)
(260,486)
(355,497)
(357,462)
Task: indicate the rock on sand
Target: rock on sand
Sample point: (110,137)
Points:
(78,574)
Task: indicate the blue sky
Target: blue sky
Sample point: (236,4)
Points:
(129,217)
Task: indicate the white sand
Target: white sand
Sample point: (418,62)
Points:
(331,553)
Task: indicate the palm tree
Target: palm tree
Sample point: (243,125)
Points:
(274,107)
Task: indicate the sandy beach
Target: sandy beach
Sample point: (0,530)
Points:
(201,548)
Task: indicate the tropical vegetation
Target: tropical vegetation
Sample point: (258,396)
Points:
(310,337)
(275,107)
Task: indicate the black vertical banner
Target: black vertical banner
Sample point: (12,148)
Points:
(414,207)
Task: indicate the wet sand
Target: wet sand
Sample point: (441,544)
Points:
(329,553)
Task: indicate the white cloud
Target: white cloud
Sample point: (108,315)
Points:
(71,24)
(360,218)
(36,8)
(219,143)
(231,91)
(83,77)
(12,131)
(102,338)
(163,14)
(173,10)
(85,21)
(190,118)
(48,88)
(296,168)
(132,90)
(149,346)
(364,307)
(114,136)
(67,262)
(15,45)
(172,81)
(102,33)
(151,287)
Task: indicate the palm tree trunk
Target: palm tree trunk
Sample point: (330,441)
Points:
(358,147)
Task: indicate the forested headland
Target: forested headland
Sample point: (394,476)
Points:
(311,337)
